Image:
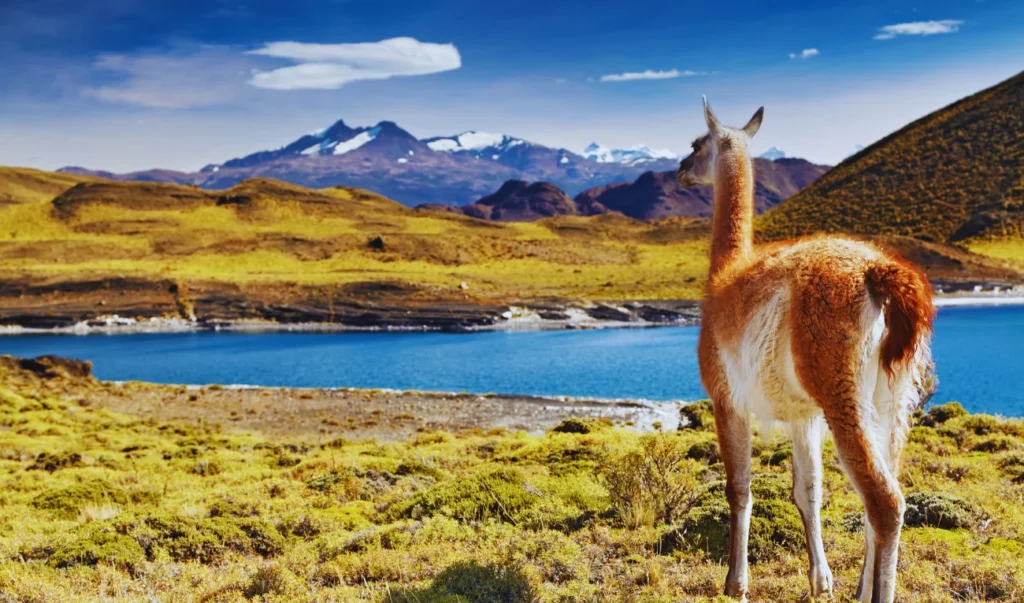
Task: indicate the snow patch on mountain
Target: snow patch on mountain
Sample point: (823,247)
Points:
(773,153)
(637,154)
(473,141)
(356,141)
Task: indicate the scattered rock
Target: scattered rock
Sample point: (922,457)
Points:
(377,243)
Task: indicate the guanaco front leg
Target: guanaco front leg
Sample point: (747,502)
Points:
(734,445)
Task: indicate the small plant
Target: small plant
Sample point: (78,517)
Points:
(655,482)
(698,415)
(267,580)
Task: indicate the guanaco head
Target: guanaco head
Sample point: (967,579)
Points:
(699,165)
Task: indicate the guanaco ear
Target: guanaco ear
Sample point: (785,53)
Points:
(755,123)
(713,126)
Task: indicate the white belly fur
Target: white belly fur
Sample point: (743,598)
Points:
(761,371)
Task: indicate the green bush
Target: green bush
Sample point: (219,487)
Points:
(706,451)
(939,510)
(654,482)
(52,461)
(500,494)
(698,415)
(775,525)
(202,540)
(99,544)
(67,501)
(475,583)
(941,413)
(581,425)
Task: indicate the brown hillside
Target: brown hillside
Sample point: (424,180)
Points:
(953,175)
(21,185)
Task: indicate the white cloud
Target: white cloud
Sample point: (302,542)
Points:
(806,53)
(180,79)
(919,28)
(648,75)
(330,66)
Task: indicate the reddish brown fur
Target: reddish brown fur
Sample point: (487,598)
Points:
(905,289)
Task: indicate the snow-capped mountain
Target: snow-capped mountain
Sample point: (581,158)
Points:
(388,160)
(773,153)
(336,139)
(631,156)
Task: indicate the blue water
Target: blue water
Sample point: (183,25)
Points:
(979,353)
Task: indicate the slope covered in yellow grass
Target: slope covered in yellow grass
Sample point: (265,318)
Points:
(264,231)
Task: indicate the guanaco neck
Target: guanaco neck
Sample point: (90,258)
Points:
(732,227)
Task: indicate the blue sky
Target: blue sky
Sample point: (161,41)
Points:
(125,85)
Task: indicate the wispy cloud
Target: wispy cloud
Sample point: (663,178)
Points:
(179,79)
(649,74)
(330,66)
(806,53)
(919,28)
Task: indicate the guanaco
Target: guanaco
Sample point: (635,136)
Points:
(820,331)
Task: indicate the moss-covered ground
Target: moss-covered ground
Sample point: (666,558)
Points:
(96,505)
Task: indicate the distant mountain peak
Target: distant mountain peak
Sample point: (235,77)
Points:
(773,153)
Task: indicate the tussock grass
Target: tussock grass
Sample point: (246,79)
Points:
(96,505)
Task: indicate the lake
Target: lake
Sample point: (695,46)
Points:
(979,352)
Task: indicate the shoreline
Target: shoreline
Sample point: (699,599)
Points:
(382,414)
(683,313)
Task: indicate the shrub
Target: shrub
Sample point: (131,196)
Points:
(698,415)
(775,525)
(475,583)
(267,580)
(706,450)
(655,482)
(67,501)
(939,510)
(581,425)
(414,467)
(50,461)
(497,494)
(207,467)
(99,545)
(202,540)
(942,413)
(781,453)
(995,444)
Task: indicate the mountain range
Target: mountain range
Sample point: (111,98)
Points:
(389,160)
(653,195)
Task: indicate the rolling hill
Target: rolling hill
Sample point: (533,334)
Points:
(266,249)
(954,176)
(269,250)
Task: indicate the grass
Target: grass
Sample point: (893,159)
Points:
(96,505)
